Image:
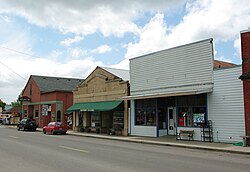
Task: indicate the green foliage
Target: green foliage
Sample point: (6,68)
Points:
(16,104)
(2,104)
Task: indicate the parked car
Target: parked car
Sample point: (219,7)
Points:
(55,128)
(27,124)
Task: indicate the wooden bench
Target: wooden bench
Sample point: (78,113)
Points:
(184,134)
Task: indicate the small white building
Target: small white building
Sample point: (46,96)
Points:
(179,89)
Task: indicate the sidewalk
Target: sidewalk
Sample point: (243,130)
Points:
(166,141)
(170,141)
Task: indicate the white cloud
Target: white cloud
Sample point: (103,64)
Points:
(77,52)
(237,46)
(152,37)
(102,49)
(69,41)
(86,17)
(203,19)
(12,84)
(222,20)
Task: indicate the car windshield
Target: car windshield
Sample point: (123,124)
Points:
(23,121)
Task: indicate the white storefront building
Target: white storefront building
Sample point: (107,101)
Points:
(179,89)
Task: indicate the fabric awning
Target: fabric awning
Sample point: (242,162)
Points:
(95,106)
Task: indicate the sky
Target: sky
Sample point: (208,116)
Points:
(71,38)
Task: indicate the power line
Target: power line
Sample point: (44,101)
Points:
(10,49)
(16,51)
(12,70)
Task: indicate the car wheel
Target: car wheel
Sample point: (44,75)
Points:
(44,132)
(18,129)
(53,132)
(64,133)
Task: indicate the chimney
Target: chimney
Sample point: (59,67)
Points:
(245,77)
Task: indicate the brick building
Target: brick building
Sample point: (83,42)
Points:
(46,99)
(245,50)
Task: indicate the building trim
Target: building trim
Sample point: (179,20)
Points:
(40,103)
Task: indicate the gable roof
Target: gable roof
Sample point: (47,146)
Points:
(49,84)
(121,73)
(221,64)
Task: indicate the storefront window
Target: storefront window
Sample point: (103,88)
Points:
(145,113)
(118,120)
(191,110)
(95,119)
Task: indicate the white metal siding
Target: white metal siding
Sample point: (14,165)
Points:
(226,105)
(184,66)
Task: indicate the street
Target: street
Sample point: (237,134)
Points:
(33,151)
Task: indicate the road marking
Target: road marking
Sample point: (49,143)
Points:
(13,137)
(69,148)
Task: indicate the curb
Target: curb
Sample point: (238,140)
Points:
(165,144)
(200,147)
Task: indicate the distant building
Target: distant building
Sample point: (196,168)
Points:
(46,98)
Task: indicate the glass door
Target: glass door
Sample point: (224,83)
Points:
(171,121)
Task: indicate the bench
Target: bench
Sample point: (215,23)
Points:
(184,134)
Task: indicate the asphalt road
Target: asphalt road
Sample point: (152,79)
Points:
(34,152)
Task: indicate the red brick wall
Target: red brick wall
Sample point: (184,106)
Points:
(66,97)
(35,97)
(245,50)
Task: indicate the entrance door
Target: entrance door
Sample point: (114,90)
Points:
(171,121)
(58,116)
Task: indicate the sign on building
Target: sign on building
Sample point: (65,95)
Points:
(45,110)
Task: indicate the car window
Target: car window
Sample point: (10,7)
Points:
(59,124)
(23,122)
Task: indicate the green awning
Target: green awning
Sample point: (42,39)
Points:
(95,106)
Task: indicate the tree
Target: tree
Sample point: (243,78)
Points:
(2,104)
(16,104)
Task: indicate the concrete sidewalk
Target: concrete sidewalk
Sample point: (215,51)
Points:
(165,141)
(170,141)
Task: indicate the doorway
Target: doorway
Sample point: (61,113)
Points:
(58,116)
(171,121)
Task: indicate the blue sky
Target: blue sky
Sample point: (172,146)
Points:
(70,38)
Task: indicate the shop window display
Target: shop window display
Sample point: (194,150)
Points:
(95,119)
(118,120)
(146,117)
(145,112)
(191,110)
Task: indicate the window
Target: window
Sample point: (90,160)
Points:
(30,89)
(25,113)
(118,120)
(36,113)
(191,110)
(145,113)
(95,119)
(58,116)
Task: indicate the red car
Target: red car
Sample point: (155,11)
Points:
(55,128)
